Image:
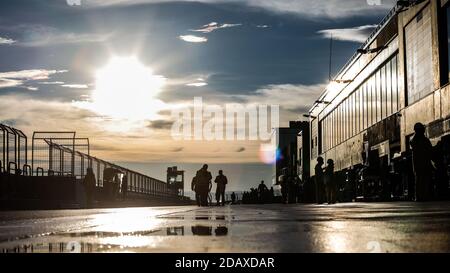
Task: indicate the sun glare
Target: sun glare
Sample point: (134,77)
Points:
(126,89)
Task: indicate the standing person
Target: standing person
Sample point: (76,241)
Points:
(283,180)
(195,190)
(299,190)
(89,186)
(124,186)
(233,198)
(292,189)
(319,180)
(262,189)
(221,181)
(422,154)
(203,184)
(271,195)
(330,183)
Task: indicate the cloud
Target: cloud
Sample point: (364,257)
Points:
(356,34)
(51,83)
(32,88)
(178,149)
(143,144)
(18,78)
(4,83)
(9,122)
(30,114)
(262,26)
(36,35)
(323,8)
(213,26)
(99,147)
(301,97)
(306,8)
(160,124)
(6,41)
(197,84)
(193,39)
(32,74)
(76,86)
(194,80)
(298,94)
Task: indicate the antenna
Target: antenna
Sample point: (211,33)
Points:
(331,54)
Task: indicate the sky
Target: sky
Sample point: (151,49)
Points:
(115,70)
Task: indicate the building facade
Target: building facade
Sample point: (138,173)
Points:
(303,150)
(398,77)
(285,141)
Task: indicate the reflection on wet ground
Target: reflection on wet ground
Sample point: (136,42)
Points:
(202,223)
(80,247)
(360,227)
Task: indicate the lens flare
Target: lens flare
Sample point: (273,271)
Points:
(269,154)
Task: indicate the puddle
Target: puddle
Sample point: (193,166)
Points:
(208,230)
(219,230)
(203,217)
(71,247)
(80,245)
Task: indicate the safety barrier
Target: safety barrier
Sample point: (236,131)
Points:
(13,148)
(63,154)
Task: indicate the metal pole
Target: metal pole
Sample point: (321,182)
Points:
(331,54)
(32,155)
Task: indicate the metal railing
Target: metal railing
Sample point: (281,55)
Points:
(13,149)
(63,154)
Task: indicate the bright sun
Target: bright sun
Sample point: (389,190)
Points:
(126,89)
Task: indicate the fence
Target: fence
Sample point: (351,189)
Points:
(13,149)
(136,182)
(60,153)
(63,154)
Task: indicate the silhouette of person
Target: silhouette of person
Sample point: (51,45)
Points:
(89,186)
(203,184)
(422,154)
(195,190)
(330,183)
(115,186)
(233,198)
(319,180)
(124,186)
(262,189)
(271,195)
(221,181)
(292,189)
(283,181)
(299,189)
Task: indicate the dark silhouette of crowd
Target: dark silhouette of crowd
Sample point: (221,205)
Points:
(325,182)
(259,195)
(202,185)
(422,170)
(427,164)
(291,191)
